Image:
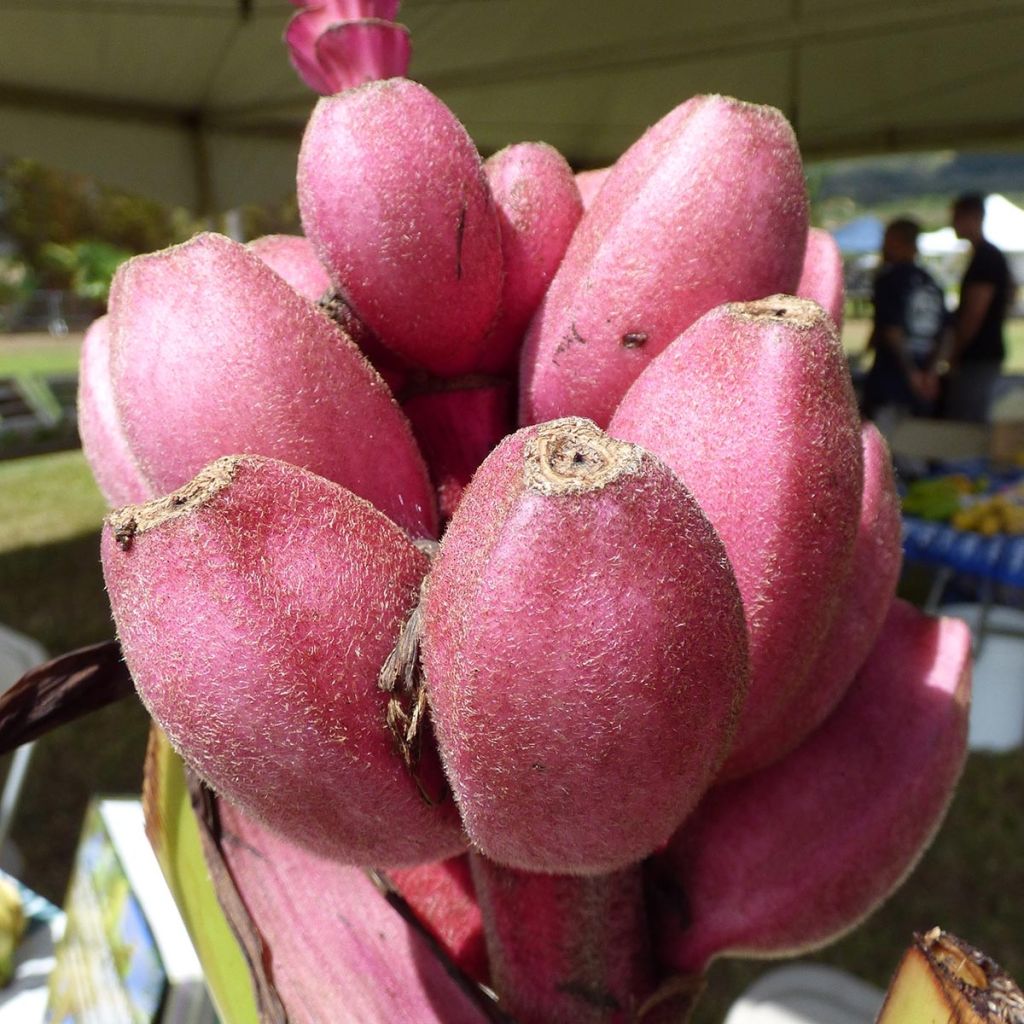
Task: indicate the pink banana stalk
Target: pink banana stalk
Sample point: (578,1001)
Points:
(442,896)
(338,950)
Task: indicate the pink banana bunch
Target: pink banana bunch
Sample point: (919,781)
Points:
(651,700)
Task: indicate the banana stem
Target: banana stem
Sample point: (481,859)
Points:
(567,949)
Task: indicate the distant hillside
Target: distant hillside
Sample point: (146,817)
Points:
(873,180)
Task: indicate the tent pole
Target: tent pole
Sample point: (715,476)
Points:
(201,166)
(793,102)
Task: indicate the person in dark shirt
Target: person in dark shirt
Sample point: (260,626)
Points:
(977,352)
(910,318)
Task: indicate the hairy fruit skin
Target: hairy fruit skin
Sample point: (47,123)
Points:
(792,857)
(538,207)
(394,198)
(752,407)
(709,206)
(255,608)
(822,275)
(113,463)
(213,354)
(864,603)
(582,631)
(589,183)
(293,257)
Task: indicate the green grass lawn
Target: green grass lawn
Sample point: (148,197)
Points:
(24,355)
(970,881)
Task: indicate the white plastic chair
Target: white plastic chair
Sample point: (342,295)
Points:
(18,654)
(807,994)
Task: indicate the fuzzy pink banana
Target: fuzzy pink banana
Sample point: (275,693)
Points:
(394,198)
(589,183)
(584,652)
(822,276)
(456,430)
(111,459)
(292,257)
(791,858)
(255,608)
(863,605)
(752,407)
(708,206)
(212,354)
(538,207)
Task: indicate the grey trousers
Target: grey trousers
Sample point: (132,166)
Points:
(968,393)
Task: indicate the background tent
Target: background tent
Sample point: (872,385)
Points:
(863,235)
(193,101)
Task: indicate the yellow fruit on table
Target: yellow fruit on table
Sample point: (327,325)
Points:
(965,519)
(1013,518)
(12,927)
(990,524)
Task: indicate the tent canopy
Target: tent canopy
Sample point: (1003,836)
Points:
(194,101)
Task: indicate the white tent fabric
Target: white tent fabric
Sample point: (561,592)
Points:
(1003,227)
(194,100)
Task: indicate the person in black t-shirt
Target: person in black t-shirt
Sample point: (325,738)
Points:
(910,318)
(986,290)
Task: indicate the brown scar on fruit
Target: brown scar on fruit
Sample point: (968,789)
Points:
(334,304)
(567,341)
(574,456)
(460,232)
(800,313)
(128,522)
(634,339)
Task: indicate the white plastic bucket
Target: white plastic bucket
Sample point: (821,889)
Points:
(17,655)
(997,705)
